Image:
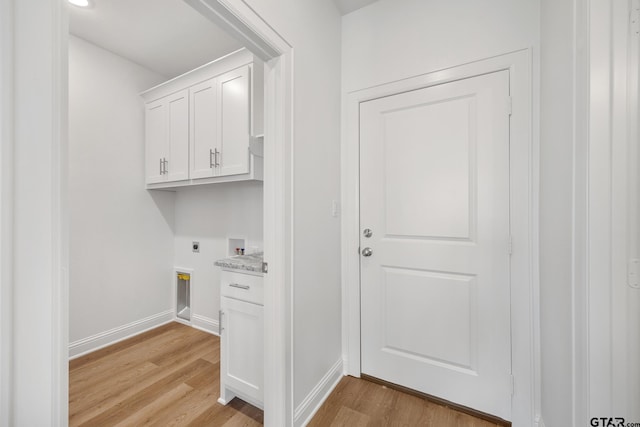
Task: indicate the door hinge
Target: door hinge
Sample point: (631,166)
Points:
(265,267)
(633,269)
(634,17)
(510,247)
(509,105)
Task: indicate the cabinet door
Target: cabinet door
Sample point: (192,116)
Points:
(234,123)
(155,141)
(242,358)
(177,166)
(203,125)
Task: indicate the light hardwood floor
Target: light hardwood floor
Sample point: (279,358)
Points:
(357,403)
(170,377)
(165,377)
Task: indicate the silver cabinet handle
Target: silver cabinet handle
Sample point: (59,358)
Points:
(166,168)
(367,252)
(216,152)
(235,285)
(161,167)
(220,321)
(211,165)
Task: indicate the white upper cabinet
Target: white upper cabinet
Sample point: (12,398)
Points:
(167,136)
(176,166)
(156,140)
(204,129)
(205,126)
(234,122)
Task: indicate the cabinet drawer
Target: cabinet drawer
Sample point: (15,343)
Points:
(244,287)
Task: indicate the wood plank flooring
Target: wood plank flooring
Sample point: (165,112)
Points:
(359,403)
(165,377)
(170,376)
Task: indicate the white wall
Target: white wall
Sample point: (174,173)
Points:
(121,235)
(209,215)
(556,189)
(394,39)
(313,29)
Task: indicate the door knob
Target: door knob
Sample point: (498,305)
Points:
(367,232)
(367,252)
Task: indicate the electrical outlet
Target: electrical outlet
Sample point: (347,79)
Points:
(195,246)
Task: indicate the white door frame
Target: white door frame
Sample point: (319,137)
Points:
(606,206)
(524,221)
(6,209)
(243,23)
(256,34)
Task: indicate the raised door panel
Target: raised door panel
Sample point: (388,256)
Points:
(234,121)
(177,166)
(242,348)
(156,141)
(204,145)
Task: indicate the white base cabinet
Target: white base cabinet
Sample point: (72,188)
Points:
(241,338)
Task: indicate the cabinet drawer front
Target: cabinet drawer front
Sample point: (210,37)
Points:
(244,287)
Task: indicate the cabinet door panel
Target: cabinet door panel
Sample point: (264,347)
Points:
(178,159)
(234,128)
(204,122)
(242,347)
(156,140)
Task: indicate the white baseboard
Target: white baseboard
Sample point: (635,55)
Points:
(310,405)
(112,336)
(205,324)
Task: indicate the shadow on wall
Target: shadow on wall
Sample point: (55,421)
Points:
(165,202)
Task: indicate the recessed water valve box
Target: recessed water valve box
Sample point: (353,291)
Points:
(183,295)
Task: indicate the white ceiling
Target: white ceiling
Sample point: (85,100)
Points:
(166,36)
(348,6)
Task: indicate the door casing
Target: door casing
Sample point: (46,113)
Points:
(255,34)
(523,160)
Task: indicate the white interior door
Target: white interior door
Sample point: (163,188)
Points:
(435,291)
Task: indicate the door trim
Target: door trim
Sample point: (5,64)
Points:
(256,34)
(6,210)
(524,220)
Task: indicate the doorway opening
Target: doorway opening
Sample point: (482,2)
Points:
(252,32)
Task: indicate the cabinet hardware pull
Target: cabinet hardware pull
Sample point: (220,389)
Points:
(166,162)
(235,285)
(220,321)
(211,165)
(216,152)
(161,164)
